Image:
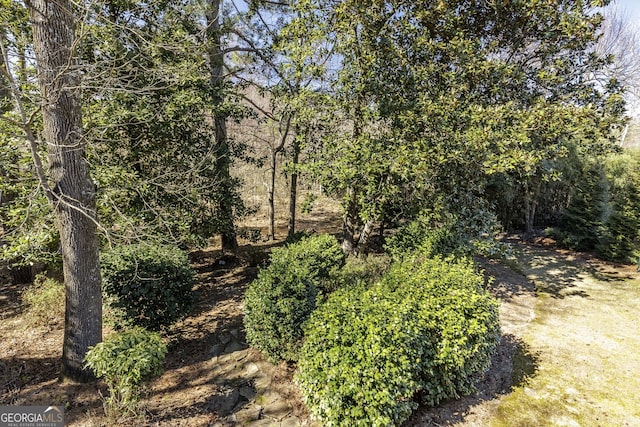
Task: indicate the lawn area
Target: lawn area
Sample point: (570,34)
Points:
(585,338)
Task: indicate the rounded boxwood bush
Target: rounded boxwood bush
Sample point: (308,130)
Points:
(321,255)
(427,330)
(281,299)
(151,285)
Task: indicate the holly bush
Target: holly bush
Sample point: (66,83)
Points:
(281,299)
(468,230)
(426,330)
(320,254)
(125,360)
(150,284)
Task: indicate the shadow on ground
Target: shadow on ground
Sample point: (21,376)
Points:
(512,363)
(35,381)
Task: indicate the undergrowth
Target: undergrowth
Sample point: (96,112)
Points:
(44,302)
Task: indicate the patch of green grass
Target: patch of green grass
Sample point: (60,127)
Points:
(44,302)
(550,400)
(525,364)
(585,340)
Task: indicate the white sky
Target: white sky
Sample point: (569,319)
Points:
(631,6)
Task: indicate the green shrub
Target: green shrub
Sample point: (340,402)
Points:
(603,214)
(461,318)
(44,301)
(321,255)
(619,238)
(441,232)
(150,284)
(367,270)
(582,220)
(126,360)
(427,330)
(297,236)
(281,299)
(407,238)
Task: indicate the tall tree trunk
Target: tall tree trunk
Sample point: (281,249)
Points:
(531,194)
(284,134)
(223,156)
(349,223)
(350,218)
(363,240)
(293,188)
(271,195)
(73,192)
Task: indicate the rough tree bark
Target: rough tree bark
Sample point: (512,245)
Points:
(72,194)
(223,157)
(350,217)
(363,240)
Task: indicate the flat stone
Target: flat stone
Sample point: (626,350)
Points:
(249,413)
(224,338)
(247,392)
(278,409)
(263,422)
(291,422)
(268,398)
(216,350)
(224,402)
(233,347)
(251,369)
(262,383)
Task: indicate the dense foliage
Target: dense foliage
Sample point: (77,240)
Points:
(151,285)
(153,141)
(320,255)
(439,115)
(28,234)
(395,104)
(281,299)
(433,99)
(438,231)
(602,214)
(43,302)
(125,360)
(620,239)
(426,331)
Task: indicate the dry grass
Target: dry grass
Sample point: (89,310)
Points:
(585,335)
(320,215)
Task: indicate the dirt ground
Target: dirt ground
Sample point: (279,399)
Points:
(211,378)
